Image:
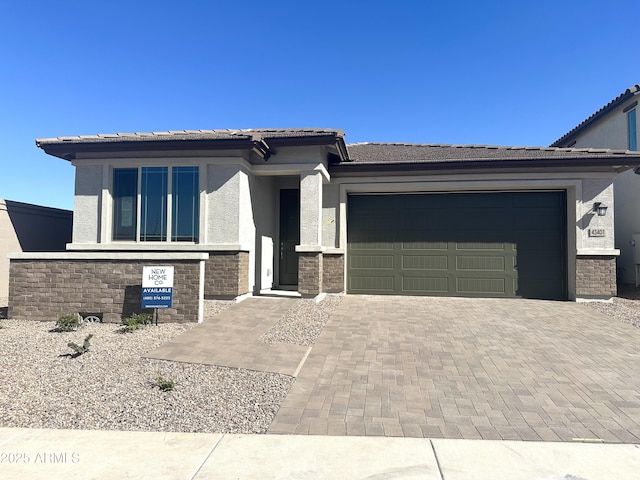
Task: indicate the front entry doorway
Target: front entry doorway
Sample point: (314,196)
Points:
(289,236)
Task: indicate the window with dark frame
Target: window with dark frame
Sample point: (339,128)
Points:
(169,197)
(632,129)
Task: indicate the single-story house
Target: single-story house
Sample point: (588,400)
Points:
(241,212)
(25,227)
(615,126)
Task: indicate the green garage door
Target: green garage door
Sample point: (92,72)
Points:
(508,244)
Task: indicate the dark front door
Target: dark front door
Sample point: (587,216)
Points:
(289,236)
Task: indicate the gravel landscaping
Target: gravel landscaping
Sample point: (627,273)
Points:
(112,387)
(625,307)
(303,323)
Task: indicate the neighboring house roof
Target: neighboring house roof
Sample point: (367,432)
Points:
(389,156)
(620,99)
(260,140)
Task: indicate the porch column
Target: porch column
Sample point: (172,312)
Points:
(310,248)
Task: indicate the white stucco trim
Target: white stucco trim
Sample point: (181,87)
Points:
(155,246)
(201,293)
(334,251)
(598,251)
(310,248)
(290,169)
(164,256)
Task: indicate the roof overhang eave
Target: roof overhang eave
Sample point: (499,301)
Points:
(619,163)
(262,146)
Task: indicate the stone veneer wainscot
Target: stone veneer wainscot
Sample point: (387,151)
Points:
(45,286)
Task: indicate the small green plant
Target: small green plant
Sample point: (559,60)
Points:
(79,350)
(137,320)
(164,384)
(68,323)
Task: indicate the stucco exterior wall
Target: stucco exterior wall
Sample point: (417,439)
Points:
(87,203)
(223,197)
(611,131)
(331,215)
(311,208)
(627,218)
(590,225)
(8,243)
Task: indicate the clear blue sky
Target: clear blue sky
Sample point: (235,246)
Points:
(488,72)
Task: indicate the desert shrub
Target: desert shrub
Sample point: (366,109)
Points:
(84,348)
(68,323)
(164,384)
(137,320)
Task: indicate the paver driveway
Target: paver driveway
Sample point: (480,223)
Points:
(468,368)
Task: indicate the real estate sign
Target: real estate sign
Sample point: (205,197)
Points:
(157,287)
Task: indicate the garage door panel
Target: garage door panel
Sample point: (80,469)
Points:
(530,243)
(374,284)
(422,221)
(538,220)
(425,262)
(538,265)
(373,222)
(508,244)
(432,285)
(481,286)
(480,219)
(372,262)
(498,246)
(365,246)
(483,263)
(545,289)
(425,245)
(537,200)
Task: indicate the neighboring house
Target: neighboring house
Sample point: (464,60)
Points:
(29,228)
(248,211)
(615,126)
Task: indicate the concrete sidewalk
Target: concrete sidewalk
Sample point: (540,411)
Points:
(84,454)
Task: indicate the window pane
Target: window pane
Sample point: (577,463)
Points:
(185,208)
(153,214)
(631,122)
(125,187)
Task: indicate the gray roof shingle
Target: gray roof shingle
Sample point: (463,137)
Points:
(397,153)
(173,135)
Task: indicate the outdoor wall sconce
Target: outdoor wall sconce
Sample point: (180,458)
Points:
(600,209)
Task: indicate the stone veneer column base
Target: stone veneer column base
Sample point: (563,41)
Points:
(333,272)
(596,276)
(226,274)
(310,273)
